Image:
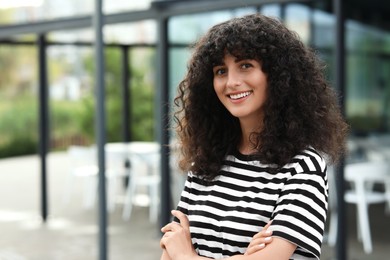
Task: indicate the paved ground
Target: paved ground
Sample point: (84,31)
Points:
(71,232)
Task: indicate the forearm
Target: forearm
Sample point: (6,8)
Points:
(165,256)
(236,257)
(279,249)
(197,257)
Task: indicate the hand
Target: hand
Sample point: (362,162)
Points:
(177,238)
(260,240)
(164,255)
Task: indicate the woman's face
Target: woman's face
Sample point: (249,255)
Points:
(241,87)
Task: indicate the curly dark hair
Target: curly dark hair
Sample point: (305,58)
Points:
(301,109)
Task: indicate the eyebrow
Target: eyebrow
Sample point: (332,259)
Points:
(236,60)
(219,64)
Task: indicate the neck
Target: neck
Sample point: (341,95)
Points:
(246,146)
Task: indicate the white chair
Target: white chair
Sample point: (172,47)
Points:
(83,164)
(362,176)
(144,173)
(116,157)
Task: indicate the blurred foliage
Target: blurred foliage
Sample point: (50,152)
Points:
(6,15)
(19,145)
(18,120)
(18,69)
(141,98)
(363,125)
(74,120)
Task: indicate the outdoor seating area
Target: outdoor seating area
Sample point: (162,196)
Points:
(71,230)
(135,161)
(375,147)
(362,178)
(367,175)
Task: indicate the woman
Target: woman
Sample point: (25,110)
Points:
(256,121)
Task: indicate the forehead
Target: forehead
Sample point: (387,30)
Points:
(229,58)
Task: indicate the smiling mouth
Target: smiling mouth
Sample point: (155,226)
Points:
(240,95)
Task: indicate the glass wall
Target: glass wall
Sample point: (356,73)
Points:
(185,30)
(367,62)
(367,94)
(368,91)
(18,100)
(71,95)
(23,11)
(368,79)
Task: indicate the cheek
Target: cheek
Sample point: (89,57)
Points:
(217,87)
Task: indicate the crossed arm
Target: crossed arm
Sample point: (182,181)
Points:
(176,244)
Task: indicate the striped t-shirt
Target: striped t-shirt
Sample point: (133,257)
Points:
(225,215)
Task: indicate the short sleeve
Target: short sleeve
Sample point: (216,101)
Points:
(300,213)
(185,196)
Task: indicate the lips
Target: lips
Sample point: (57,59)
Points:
(239,95)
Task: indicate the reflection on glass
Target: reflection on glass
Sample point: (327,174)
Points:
(22,11)
(187,28)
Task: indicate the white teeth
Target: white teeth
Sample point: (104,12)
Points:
(240,95)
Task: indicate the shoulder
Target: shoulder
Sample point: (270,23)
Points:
(308,168)
(307,161)
(301,211)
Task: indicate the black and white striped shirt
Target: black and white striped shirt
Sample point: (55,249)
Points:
(225,215)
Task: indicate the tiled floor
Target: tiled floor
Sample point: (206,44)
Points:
(71,232)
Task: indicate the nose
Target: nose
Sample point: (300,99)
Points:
(233,79)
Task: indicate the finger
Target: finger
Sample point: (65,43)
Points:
(268,240)
(261,240)
(259,243)
(254,249)
(164,228)
(182,218)
(264,229)
(164,238)
(268,225)
(263,233)
(162,242)
(173,226)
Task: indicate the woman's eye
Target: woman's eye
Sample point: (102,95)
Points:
(219,71)
(246,65)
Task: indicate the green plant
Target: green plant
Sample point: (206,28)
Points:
(19,145)
(18,120)
(363,124)
(141,101)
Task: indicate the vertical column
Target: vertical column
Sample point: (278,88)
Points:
(126,94)
(341,245)
(126,109)
(283,12)
(100,120)
(163,113)
(312,30)
(43,121)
